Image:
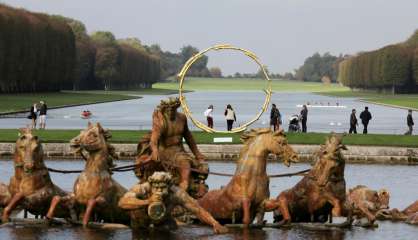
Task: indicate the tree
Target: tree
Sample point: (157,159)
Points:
(103,38)
(133,42)
(37,51)
(199,68)
(316,66)
(106,57)
(391,68)
(215,72)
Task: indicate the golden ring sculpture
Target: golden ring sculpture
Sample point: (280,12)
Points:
(182,74)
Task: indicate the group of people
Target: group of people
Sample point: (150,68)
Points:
(229,114)
(36,109)
(276,119)
(366,116)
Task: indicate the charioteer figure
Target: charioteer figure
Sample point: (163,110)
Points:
(151,204)
(164,147)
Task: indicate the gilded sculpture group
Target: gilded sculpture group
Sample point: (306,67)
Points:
(172,184)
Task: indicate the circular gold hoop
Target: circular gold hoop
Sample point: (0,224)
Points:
(183,102)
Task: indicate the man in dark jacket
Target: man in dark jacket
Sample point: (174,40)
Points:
(409,122)
(365,117)
(275,117)
(353,122)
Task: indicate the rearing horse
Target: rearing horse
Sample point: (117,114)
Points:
(320,192)
(31,186)
(247,194)
(95,190)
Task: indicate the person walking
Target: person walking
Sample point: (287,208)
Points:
(353,122)
(33,115)
(365,117)
(42,115)
(409,122)
(304,117)
(275,117)
(209,116)
(229,116)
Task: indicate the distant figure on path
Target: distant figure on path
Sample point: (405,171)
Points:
(42,115)
(275,117)
(353,122)
(304,118)
(209,116)
(409,122)
(365,117)
(229,116)
(33,115)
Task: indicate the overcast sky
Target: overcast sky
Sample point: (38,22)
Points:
(282,33)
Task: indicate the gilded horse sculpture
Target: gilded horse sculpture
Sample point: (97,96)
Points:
(5,196)
(31,186)
(319,193)
(247,194)
(95,188)
(408,215)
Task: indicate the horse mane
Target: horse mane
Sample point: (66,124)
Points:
(327,151)
(323,149)
(248,136)
(110,148)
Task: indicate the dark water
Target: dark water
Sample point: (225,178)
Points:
(401,181)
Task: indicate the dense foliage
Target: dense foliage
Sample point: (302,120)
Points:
(37,52)
(317,67)
(171,63)
(393,68)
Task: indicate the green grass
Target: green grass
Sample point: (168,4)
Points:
(129,136)
(245,84)
(150,91)
(23,101)
(400,100)
(19,102)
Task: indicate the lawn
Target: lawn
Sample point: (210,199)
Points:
(150,91)
(246,84)
(23,101)
(398,100)
(129,136)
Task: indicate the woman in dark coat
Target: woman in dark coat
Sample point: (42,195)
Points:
(33,115)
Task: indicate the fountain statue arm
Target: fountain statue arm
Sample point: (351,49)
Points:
(157,122)
(192,144)
(130,200)
(184,199)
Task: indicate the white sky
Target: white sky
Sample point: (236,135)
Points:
(282,33)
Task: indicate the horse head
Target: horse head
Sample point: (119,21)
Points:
(272,142)
(93,140)
(330,163)
(28,151)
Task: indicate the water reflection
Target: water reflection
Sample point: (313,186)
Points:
(399,180)
(136,114)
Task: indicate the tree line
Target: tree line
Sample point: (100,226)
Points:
(392,68)
(37,53)
(40,52)
(317,68)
